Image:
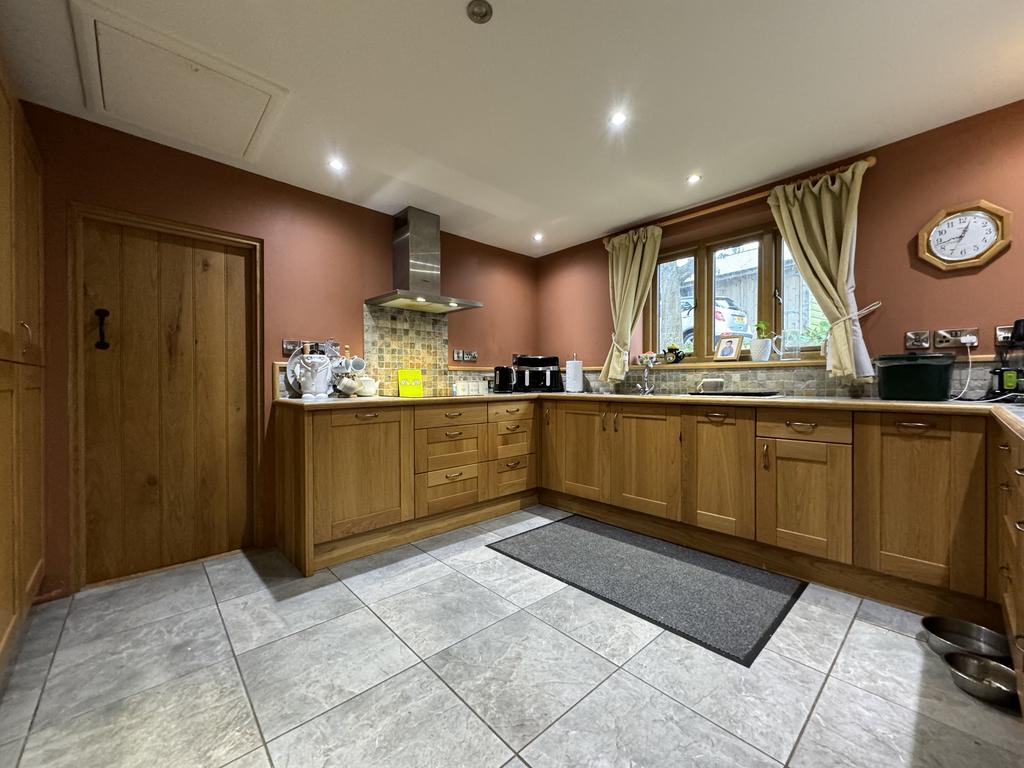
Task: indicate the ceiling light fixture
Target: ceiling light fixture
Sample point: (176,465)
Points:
(538,236)
(618,118)
(693,178)
(335,164)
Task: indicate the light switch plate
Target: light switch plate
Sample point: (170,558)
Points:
(917,339)
(457,355)
(950,337)
(1003,334)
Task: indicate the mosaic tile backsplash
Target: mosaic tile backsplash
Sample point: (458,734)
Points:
(397,338)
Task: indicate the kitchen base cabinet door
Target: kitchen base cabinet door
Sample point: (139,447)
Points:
(446,489)
(805,497)
(362,470)
(8,507)
(919,505)
(717,463)
(508,476)
(645,459)
(585,440)
(550,446)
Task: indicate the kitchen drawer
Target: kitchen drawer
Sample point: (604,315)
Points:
(510,438)
(516,410)
(344,417)
(915,425)
(715,414)
(799,424)
(445,489)
(428,416)
(507,476)
(452,446)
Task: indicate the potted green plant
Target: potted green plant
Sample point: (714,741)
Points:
(761,347)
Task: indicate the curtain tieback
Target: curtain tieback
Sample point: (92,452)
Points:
(624,351)
(852,316)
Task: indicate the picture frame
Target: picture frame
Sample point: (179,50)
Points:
(728,348)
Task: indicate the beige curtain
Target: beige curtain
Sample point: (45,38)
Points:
(819,222)
(632,259)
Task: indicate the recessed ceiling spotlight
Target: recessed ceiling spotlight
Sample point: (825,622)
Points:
(335,164)
(693,178)
(618,118)
(538,236)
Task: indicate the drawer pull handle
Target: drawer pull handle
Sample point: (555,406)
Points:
(547,416)
(1018,640)
(453,414)
(615,421)
(1004,570)
(716,415)
(367,415)
(453,434)
(1019,525)
(764,456)
(452,475)
(1019,472)
(512,464)
(511,410)
(603,414)
(1004,447)
(513,427)
(802,424)
(914,424)
(1005,487)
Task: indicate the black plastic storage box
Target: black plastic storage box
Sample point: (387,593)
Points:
(915,377)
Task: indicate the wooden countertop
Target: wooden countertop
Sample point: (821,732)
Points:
(1012,416)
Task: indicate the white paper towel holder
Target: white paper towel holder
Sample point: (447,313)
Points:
(574,374)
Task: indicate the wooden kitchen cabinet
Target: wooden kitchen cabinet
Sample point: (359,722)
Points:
(805,497)
(547,420)
(27,248)
(362,475)
(29,440)
(919,505)
(645,456)
(446,489)
(9,591)
(586,449)
(717,469)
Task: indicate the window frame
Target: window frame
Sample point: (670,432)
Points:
(769,291)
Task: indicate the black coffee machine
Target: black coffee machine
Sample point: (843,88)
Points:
(1008,378)
(535,373)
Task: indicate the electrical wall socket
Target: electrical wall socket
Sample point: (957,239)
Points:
(1003,334)
(469,355)
(950,337)
(289,345)
(917,339)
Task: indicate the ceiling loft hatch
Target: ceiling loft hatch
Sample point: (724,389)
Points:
(139,76)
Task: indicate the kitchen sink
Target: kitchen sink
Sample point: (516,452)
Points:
(735,393)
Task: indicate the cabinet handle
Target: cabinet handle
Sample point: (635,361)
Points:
(1018,640)
(1019,525)
(764,456)
(914,424)
(511,410)
(603,414)
(547,416)
(1005,487)
(1004,447)
(367,415)
(716,415)
(453,414)
(512,464)
(802,424)
(1004,570)
(1019,472)
(453,434)
(453,475)
(28,332)
(513,427)
(615,421)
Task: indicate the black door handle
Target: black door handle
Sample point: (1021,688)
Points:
(102,314)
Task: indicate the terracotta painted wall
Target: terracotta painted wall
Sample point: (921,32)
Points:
(322,257)
(979,157)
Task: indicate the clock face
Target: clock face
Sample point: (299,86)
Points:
(964,235)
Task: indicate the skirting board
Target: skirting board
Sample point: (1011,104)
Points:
(920,598)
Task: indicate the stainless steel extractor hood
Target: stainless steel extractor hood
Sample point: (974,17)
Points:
(416,253)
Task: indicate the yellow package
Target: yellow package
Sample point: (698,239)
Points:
(410,382)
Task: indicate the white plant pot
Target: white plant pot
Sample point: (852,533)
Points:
(760,350)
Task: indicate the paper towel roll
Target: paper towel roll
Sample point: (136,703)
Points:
(573,375)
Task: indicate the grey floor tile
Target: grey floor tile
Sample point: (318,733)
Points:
(834,600)
(112,608)
(520,675)
(256,759)
(626,723)
(468,544)
(9,753)
(548,512)
(766,704)
(891,617)
(514,523)
(249,571)
(387,573)
(610,631)
(411,721)
(515,762)
(517,583)
(270,614)
(96,673)
(442,612)
(811,635)
(851,728)
(19,698)
(203,719)
(904,671)
(303,675)
(43,626)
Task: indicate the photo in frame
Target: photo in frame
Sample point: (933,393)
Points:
(729,348)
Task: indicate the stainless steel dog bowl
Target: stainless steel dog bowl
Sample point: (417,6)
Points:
(984,679)
(949,635)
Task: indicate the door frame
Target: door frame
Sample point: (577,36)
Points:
(77,215)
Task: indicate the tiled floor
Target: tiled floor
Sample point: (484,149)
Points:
(448,654)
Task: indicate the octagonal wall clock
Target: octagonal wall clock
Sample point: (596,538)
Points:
(965,236)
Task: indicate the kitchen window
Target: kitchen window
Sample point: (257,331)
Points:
(723,287)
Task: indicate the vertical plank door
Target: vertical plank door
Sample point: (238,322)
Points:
(168,461)
(8,507)
(29,439)
(8,348)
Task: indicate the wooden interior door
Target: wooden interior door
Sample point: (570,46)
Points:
(8,505)
(805,497)
(168,435)
(718,458)
(585,449)
(28,248)
(30,480)
(919,509)
(645,459)
(8,350)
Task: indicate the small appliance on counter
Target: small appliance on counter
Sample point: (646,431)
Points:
(504,379)
(915,377)
(573,374)
(1008,378)
(536,373)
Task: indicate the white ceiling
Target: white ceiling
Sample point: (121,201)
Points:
(502,128)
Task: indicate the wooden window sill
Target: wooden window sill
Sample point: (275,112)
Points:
(808,362)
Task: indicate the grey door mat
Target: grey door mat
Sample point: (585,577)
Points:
(725,606)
